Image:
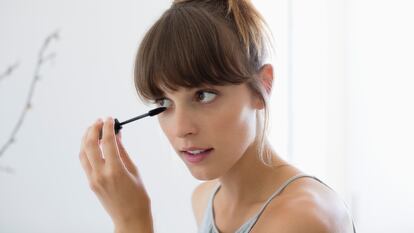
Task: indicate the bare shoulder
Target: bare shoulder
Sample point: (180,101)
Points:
(200,197)
(306,206)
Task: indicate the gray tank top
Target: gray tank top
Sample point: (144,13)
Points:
(208,224)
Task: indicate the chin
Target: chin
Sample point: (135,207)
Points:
(203,173)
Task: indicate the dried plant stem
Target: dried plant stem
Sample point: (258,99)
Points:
(9,71)
(42,58)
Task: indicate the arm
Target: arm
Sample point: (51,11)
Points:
(311,216)
(141,225)
(305,221)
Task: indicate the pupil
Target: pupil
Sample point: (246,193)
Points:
(201,95)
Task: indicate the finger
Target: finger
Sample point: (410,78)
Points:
(83,138)
(92,149)
(82,156)
(85,164)
(126,159)
(109,146)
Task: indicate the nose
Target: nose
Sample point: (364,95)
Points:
(184,122)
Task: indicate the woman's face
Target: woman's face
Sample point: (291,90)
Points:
(218,117)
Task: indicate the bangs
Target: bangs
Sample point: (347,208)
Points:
(188,47)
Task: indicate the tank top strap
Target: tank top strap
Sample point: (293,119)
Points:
(277,192)
(249,224)
(280,189)
(215,230)
(207,224)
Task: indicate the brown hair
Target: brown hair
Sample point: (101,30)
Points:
(205,42)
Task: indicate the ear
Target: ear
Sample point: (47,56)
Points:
(266,76)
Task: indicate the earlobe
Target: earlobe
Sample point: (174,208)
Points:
(259,104)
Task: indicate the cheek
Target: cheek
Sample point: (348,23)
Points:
(165,128)
(235,130)
(161,123)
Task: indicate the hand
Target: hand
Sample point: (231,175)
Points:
(113,177)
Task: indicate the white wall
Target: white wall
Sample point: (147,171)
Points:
(381,113)
(352,104)
(318,90)
(341,108)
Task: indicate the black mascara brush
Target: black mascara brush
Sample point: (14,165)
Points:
(118,126)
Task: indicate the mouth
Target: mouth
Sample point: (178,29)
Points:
(196,156)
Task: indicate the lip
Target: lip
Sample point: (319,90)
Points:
(194,148)
(194,159)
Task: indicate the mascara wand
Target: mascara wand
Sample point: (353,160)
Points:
(118,126)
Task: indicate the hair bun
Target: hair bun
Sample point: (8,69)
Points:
(248,22)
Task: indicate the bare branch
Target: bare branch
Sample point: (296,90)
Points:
(42,58)
(9,71)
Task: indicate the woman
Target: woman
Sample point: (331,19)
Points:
(204,61)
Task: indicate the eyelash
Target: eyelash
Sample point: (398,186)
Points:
(197,94)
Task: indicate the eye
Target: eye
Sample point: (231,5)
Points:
(160,102)
(205,95)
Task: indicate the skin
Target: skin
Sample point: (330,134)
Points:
(224,118)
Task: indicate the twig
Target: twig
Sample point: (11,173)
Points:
(9,71)
(42,58)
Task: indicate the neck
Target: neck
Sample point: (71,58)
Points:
(250,181)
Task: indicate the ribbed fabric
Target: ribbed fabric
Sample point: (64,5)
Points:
(208,224)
